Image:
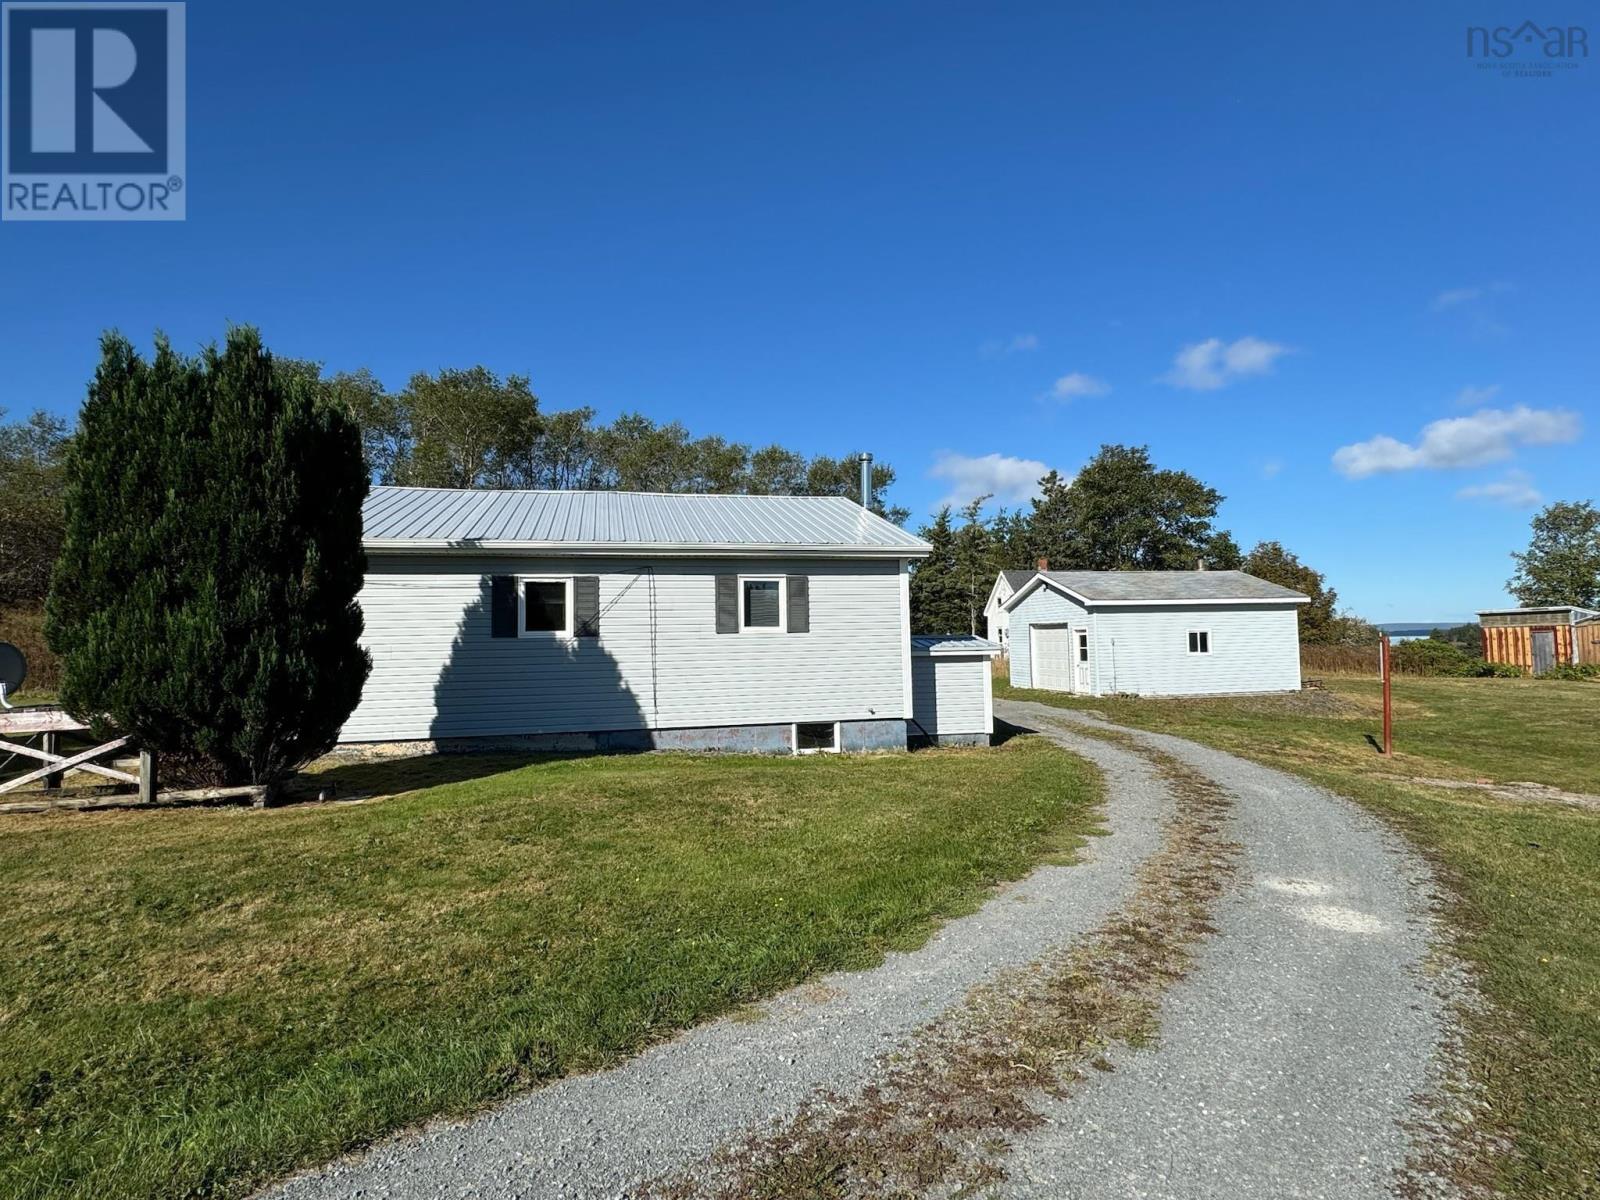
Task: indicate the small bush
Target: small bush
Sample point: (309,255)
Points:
(1500,670)
(24,629)
(1429,656)
(1573,671)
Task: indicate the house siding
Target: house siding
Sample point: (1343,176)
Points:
(1042,606)
(437,672)
(951,695)
(1145,650)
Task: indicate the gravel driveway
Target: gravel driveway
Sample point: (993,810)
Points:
(1286,1060)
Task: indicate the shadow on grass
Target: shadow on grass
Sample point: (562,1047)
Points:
(1004,731)
(396,776)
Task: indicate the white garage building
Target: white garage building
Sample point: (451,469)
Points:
(1154,633)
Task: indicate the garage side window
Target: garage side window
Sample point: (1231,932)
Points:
(1199,641)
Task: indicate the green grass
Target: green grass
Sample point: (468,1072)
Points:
(1526,876)
(193,1001)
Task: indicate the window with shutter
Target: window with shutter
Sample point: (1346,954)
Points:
(727,604)
(798,588)
(586,605)
(502,606)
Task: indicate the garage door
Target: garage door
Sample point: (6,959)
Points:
(1052,657)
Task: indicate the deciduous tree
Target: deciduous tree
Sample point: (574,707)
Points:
(1270,561)
(1562,562)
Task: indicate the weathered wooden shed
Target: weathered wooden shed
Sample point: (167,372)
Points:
(1537,639)
(1587,634)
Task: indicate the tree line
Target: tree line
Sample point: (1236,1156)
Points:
(470,428)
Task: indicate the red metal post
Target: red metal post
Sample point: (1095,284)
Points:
(1388,714)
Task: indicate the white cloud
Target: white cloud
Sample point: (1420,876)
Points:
(1078,384)
(1514,489)
(1020,343)
(1212,364)
(1473,397)
(1009,480)
(1272,468)
(1490,435)
(1456,297)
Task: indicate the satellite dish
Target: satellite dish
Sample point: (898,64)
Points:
(13,670)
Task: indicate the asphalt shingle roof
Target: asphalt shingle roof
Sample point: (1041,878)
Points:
(444,518)
(1133,586)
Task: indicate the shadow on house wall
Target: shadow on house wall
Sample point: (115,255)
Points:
(542,693)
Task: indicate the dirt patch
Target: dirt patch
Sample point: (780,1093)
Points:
(941,1114)
(1524,792)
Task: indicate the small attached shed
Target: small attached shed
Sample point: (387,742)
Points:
(952,689)
(1537,639)
(1155,633)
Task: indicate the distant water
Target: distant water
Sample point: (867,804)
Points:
(1416,629)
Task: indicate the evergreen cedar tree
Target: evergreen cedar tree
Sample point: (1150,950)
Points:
(205,597)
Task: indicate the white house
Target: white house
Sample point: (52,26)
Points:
(1154,633)
(995,614)
(614,620)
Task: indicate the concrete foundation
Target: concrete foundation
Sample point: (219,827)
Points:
(854,737)
(951,739)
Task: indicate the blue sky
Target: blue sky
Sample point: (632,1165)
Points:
(972,238)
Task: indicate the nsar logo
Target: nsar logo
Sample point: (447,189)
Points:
(1527,50)
(92,112)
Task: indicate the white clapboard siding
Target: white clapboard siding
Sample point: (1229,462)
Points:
(1042,606)
(951,694)
(1146,650)
(437,672)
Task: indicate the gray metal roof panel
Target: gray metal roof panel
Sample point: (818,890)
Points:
(952,643)
(444,518)
(1133,587)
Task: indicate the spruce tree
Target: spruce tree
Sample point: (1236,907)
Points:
(205,597)
(937,603)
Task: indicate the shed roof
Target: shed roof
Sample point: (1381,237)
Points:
(1576,612)
(433,519)
(952,644)
(1161,587)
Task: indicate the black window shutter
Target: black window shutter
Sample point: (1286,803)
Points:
(586,605)
(799,589)
(727,604)
(502,606)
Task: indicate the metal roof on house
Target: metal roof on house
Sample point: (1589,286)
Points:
(411,518)
(953,643)
(1162,587)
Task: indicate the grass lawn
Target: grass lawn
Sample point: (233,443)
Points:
(194,1001)
(1527,875)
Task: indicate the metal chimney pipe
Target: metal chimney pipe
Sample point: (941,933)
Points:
(866,481)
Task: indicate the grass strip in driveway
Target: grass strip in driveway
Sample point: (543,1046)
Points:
(1524,877)
(194,1001)
(939,1119)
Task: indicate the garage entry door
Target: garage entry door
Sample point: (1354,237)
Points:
(1052,657)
